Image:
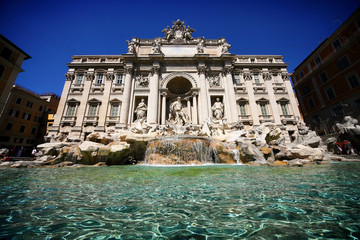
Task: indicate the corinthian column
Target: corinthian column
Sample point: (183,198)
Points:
(230,95)
(203,101)
(126,97)
(163,108)
(195,109)
(153,107)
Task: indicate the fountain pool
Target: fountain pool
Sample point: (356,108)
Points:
(202,202)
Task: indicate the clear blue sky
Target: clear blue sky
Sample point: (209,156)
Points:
(52,31)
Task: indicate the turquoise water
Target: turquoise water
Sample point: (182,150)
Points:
(209,202)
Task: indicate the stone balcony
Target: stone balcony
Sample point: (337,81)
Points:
(97,87)
(288,119)
(117,87)
(71,120)
(245,119)
(112,120)
(91,120)
(77,88)
(265,118)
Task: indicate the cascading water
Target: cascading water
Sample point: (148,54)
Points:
(187,150)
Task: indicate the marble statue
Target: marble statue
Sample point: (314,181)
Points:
(225,47)
(131,46)
(177,116)
(218,109)
(141,110)
(156,46)
(200,46)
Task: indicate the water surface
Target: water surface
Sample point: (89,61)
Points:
(209,202)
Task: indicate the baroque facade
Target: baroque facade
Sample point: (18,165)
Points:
(158,76)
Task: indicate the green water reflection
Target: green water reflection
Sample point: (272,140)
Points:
(208,202)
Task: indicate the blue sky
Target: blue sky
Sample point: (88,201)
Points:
(53,31)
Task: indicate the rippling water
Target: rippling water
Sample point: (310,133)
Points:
(210,202)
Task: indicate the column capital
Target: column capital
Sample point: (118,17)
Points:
(70,76)
(285,76)
(155,70)
(227,70)
(266,76)
(194,94)
(201,69)
(247,76)
(109,76)
(90,76)
(164,94)
(128,70)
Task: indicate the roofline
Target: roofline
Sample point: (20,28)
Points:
(323,42)
(27,56)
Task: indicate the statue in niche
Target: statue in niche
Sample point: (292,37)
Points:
(200,46)
(177,116)
(156,46)
(225,47)
(218,110)
(141,110)
(131,46)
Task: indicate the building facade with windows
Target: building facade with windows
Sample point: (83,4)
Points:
(103,92)
(24,119)
(327,82)
(11,59)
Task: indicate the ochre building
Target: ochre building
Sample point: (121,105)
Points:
(103,92)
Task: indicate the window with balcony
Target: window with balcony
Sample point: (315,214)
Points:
(71,110)
(256,78)
(284,108)
(92,109)
(243,109)
(263,108)
(114,110)
(79,78)
(237,79)
(119,79)
(99,79)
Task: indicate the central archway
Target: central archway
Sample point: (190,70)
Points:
(179,86)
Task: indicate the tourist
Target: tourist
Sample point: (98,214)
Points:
(348,147)
(338,148)
(19,152)
(33,152)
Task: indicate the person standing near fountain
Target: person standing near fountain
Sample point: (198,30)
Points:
(141,110)
(218,109)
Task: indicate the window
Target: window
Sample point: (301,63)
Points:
(92,110)
(114,109)
(354,81)
(330,93)
(242,109)
(2,69)
(9,126)
(337,44)
(237,79)
(33,130)
(22,128)
(29,104)
(311,103)
(306,89)
(302,75)
(343,63)
(18,100)
(14,113)
(79,78)
(26,116)
(40,108)
(6,53)
(317,61)
(316,119)
(252,60)
(263,109)
(99,79)
(270,60)
(338,111)
(71,110)
(284,108)
(84,60)
(256,78)
(323,77)
(119,79)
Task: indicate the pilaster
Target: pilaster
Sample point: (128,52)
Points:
(126,95)
(154,95)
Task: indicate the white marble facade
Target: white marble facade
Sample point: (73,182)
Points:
(103,92)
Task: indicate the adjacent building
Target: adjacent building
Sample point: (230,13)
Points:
(327,82)
(11,59)
(101,92)
(24,119)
